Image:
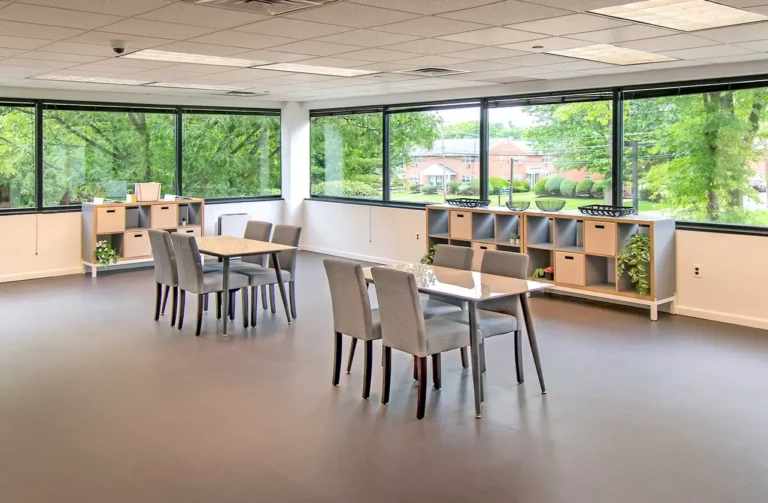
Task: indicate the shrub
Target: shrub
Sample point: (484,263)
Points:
(649,195)
(568,188)
(584,187)
(453,187)
(429,189)
(599,187)
(415,189)
(540,189)
(521,186)
(469,190)
(344,188)
(553,184)
(495,184)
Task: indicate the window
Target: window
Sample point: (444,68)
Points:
(417,159)
(501,158)
(230,155)
(546,158)
(444,136)
(346,156)
(468,159)
(100,153)
(587,177)
(17,156)
(413,178)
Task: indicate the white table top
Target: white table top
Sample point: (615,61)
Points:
(229,246)
(466,285)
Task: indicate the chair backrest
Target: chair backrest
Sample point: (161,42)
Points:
(260,231)
(455,257)
(287,235)
(188,262)
(511,265)
(402,320)
(165,258)
(349,298)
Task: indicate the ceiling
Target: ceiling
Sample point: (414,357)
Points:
(491,39)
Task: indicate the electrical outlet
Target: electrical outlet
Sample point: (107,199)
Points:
(417,237)
(697,271)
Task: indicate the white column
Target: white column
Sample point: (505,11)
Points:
(295,161)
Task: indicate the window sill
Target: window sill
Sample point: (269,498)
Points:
(744,230)
(246,199)
(368,202)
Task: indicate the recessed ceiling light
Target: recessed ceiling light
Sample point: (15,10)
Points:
(195,59)
(91,80)
(317,70)
(607,53)
(685,15)
(202,87)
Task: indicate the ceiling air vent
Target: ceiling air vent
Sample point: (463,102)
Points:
(264,7)
(431,71)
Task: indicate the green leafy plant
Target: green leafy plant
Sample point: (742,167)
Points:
(584,187)
(598,188)
(540,189)
(538,273)
(105,254)
(553,184)
(429,257)
(633,261)
(568,188)
(513,237)
(429,189)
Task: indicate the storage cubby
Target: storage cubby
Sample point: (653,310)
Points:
(114,240)
(539,232)
(508,248)
(137,217)
(195,214)
(461,242)
(483,227)
(437,223)
(538,259)
(626,231)
(600,273)
(569,235)
(506,225)
(433,241)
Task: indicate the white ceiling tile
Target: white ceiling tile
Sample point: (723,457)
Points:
(136,64)
(245,75)
(484,53)
(197,48)
(496,74)
(534,60)
(55,17)
(426,6)
(669,43)
(432,61)
(57,56)
(577,65)
(743,3)
(241,39)
(199,15)
(431,27)
(624,33)
(734,34)
(335,62)
(316,48)
(159,29)
(293,28)
(103,38)
(367,38)
(354,15)
(492,36)
(760,9)
(169,74)
(21,72)
(274,56)
(582,5)
(8,53)
(547,44)
(566,25)
(509,80)
(504,13)
(22,43)
(102,51)
(384,67)
(737,58)
(480,66)
(431,46)
(715,51)
(755,45)
(38,63)
(292,78)
(104,68)
(113,7)
(16,29)
(378,55)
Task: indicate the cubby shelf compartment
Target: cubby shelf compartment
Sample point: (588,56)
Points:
(483,227)
(538,259)
(437,223)
(506,225)
(569,235)
(539,232)
(600,273)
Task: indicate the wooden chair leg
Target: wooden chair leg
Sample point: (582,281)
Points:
(436,371)
(351,355)
(244,295)
(422,388)
(182,301)
(368,369)
(292,295)
(415,369)
(272,306)
(165,299)
(174,304)
(519,357)
(200,304)
(336,358)
(254,304)
(264,297)
(464,360)
(218,305)
(158,294)
(387,377)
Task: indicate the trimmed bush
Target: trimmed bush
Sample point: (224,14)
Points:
(584,187)
(344,188)
(453,187)
(415,189)
(469,190)
(521,186)
(599,187)
(429,189)
(540,189)
(553,184)
(495,184)
(568,188)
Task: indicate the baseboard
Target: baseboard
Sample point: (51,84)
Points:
(344,254)
(733,319)
(50,273)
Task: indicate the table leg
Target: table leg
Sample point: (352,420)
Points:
(279,275)
(532,339)
(225,293)
(477,375)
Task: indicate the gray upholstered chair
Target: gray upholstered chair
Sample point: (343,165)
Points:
(193,280)
(165,271)
(499,316)
(352,315)
(259,231)
(403,328)
(284,235)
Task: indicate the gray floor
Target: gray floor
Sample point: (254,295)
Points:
(98,403)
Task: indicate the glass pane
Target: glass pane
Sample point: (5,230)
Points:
(558,151)
(346,156)
(91,154)
(17,157)
(700,157)
(230,156)
(434,155)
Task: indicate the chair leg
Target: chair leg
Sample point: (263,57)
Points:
(482,356)
(232,307)
(264,297)
(158,294)
(182,301)
(387,377)
(174,304)
(254,304)
(464,361)
(519,357)
(336,358)
(218,305)
(205,303)
(422,388)
(368,369)
(436,372)
(292,295)
(165,299)
(272,299)
(351,355)
(415,369)
(200,304)
(244,295)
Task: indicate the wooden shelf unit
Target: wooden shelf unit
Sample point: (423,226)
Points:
(583,249)
(125,225)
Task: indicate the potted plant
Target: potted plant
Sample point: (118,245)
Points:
(633,261)
(514,239)
(429,257)
(549,273)
(105,254)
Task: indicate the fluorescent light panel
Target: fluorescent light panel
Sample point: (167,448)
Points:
(316,70)
(685,15)
(607,53)
(202,87)
(91,80)
(195,59)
